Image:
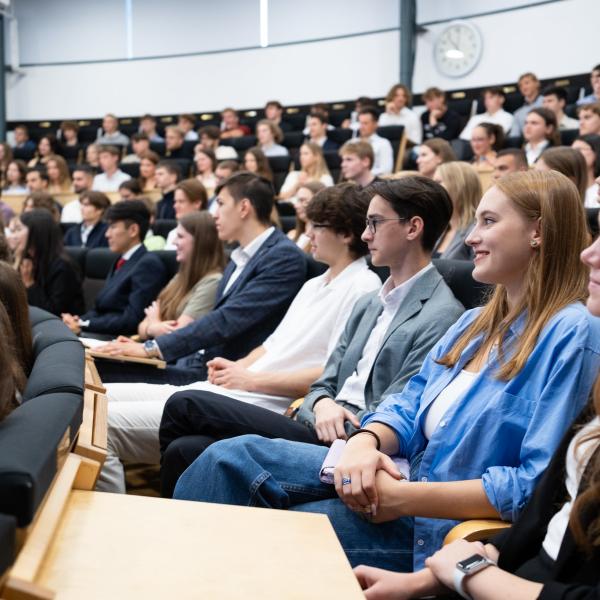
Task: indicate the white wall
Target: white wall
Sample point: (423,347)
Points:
(551,40)
(295,74)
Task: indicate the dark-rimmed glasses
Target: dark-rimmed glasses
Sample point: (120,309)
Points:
(372,223)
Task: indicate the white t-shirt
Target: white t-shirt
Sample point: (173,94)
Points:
(501,117)
(309,330)
(408,118)
(576,462)
(104,183)
(383,162)
(445,399)
(592,200)
(291,180)
(71,212)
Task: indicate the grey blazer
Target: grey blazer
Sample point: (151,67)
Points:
(422,319)
(457,249)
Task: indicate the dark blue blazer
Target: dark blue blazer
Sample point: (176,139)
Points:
(330,146)
(96,239)
(120,304)
(250,310)
(165,208)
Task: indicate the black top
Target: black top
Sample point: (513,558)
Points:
(61,291)
(575,574)
(447,128)
(165,209)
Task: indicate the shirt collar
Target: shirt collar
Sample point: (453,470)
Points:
(390,295)
(240,256)
(350,271)
(130,252)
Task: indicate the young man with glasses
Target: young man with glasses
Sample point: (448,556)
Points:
(279,368)
(385,340)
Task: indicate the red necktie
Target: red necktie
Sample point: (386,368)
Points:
(120,263)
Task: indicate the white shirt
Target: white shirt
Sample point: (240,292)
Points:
(71,212)
(85,231)
(567,122)
(353,390)
(191,136)
(275,150)
(130,252)
(170,243)
(104,183)
(309,331)
(240,256)
(576,462)
(592,200)
(291,180)
(384,155)
(445,399)
(406,117)
(501,117)
(534,153)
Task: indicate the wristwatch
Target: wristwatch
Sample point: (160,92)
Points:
(151,348)
(469,566)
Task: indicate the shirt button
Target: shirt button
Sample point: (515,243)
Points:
(420,542)
(442,423)
(423,478)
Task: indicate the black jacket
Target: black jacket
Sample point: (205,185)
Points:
(576,573)
(96,238)
(60,291)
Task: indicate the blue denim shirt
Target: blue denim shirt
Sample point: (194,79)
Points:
(502,432)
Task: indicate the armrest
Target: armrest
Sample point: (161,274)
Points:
(475,530)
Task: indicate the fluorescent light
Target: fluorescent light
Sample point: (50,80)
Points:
(264,23)
(129,27)
(455,54)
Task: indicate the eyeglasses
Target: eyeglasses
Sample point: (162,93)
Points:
(372,223)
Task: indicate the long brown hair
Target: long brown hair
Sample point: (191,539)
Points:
(11,374)
(555,276)
(207,257)
(464,188)
(586,532)
(569,162)
(13,297)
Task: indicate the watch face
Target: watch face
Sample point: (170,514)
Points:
(472,564)
(458,49)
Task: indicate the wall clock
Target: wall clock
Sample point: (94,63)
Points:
(457,49)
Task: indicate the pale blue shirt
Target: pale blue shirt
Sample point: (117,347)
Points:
(502,432)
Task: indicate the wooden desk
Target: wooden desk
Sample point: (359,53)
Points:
(128,547)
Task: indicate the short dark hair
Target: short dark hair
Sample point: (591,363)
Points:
(258,190)
(596,68)
(133,185)
(232,165)
(41,169)
(369,110)
(343,208)
(494,91)
(321,116)
(171,166)
(275,103)
(96,199)
(211,131)
(418,196)
(555,90)
(517,153)
(130,211)
(109,149)
(90,171)
(188,117)
(138,137)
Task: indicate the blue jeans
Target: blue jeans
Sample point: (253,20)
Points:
(254,471)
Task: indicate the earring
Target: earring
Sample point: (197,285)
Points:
(534,243)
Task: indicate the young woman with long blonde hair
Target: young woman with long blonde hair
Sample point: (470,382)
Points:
(479,422)
(312,168)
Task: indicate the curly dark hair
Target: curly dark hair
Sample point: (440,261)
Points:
(343,208)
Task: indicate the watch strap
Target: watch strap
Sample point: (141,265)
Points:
(458,579)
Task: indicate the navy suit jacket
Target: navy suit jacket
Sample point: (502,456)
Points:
(127,292)
(330,146)
(96,239)
(250,310)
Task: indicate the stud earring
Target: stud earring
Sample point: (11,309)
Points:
(534,243)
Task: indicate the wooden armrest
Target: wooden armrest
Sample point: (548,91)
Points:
(475,530)
(293,408)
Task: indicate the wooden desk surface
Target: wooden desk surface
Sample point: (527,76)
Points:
(127,547)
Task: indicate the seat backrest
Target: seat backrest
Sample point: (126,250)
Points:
(243,142)
(458,276)
(169,258)
(339,136)
(391,132)
(132,169)
(98,262)
(77,255)
(287,223)
(279,164)
(568,136)
(314,267)
(162,227)
(462,149)
(34,440)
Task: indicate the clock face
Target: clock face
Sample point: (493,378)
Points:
(458,49)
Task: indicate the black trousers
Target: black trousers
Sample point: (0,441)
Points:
(194,419)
